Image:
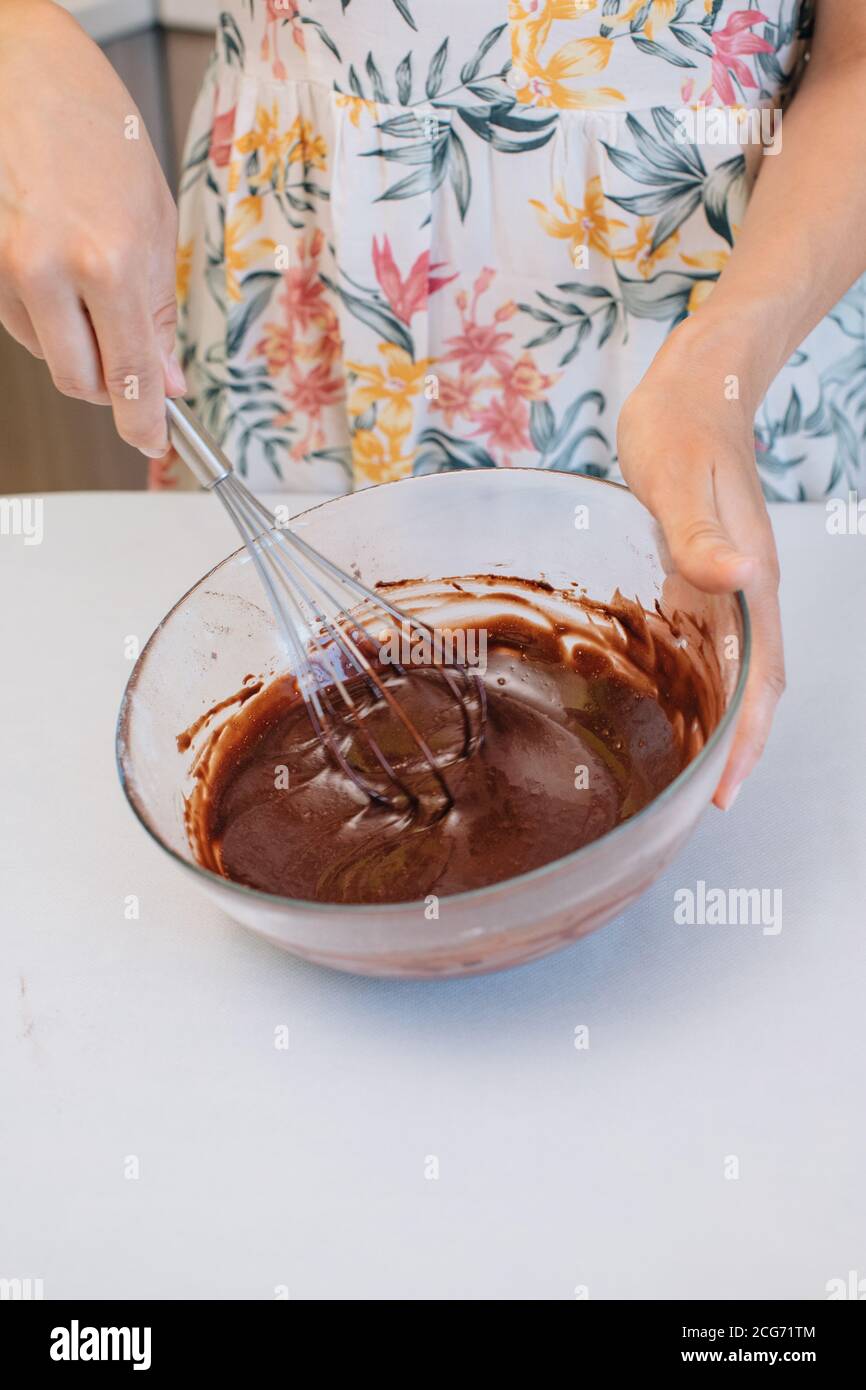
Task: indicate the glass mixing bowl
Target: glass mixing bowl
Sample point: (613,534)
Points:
(577,533)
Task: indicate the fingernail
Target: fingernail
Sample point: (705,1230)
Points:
(729,800)
(747,567)
(174,374)
(155,453)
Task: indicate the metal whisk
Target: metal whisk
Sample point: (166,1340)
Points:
(325,616)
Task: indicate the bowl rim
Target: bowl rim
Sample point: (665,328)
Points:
(361,910)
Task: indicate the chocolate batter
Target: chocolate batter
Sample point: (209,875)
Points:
(592,709)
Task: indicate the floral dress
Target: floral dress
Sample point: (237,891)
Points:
(420,235)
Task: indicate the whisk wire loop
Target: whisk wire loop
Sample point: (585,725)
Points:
(311,617)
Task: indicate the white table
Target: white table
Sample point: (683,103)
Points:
(304,1170)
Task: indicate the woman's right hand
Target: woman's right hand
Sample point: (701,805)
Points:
(88,226)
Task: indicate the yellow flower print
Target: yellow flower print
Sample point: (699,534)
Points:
(545,78)
(546,82)
(527,381)
(183,268)
(582,226)
(533,18)
(392,387)
(276,151)
(356,106)
(639,251)
(240,223)
(266,141)
(661,12)
(378,460)
(304,146)
(702,289)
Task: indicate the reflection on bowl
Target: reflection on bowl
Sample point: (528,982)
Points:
(578,534)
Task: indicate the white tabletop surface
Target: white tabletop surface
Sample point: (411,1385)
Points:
(307,1171)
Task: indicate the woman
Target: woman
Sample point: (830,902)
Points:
(470,234)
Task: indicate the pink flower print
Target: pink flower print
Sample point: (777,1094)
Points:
(456,398)
(409,296)
(505,421)
(731,44)
(222,137)
(277,11)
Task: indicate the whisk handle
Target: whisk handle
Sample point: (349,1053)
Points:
(198,449)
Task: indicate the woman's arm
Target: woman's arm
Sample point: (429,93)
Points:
(685,448)
(803,241)
(87,224)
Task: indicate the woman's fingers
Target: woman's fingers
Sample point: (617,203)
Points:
(764,689)
(67,343)
(708,502)
(137,346)
(705,555)
(163,299)
(701,547)
(17,322)
(132,364)
(720,550)
(743,510)
(102,343)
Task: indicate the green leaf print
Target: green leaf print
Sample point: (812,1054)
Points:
(375,315)
(693,40)
(542,424)
(436,155)
(678,183)
(486,121)
(657,50)
(256,290)
(433,85)
(403,78)
(340,454)
(558,445)
(470,70)
(401,6)
(458,172)
(429,141)
(439,451)
(231,39)
(571,319)
(724,196)
(376,79)
(194,164)
(323,35)
(664,296)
